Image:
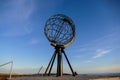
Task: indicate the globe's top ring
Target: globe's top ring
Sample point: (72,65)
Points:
(60,30)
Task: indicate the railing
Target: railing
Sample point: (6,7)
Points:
(10,62)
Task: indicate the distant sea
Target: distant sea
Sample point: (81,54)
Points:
(103,74)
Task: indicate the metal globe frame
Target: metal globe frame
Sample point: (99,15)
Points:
(60,31)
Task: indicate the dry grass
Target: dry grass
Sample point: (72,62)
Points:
(5,76)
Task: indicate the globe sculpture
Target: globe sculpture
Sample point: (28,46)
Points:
(60,31)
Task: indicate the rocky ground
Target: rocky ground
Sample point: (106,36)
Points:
(66,77)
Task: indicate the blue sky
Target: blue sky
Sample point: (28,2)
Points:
(96,47)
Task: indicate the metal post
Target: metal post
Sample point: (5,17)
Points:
(59,68)
(11,69)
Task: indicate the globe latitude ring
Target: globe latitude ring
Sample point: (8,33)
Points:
(60,30)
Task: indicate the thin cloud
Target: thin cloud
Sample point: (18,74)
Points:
(88,61)
(17,10)
(16,31)
(34,41)
(101,53)
(28,30)
(106,41)
(14,18)
(97,48)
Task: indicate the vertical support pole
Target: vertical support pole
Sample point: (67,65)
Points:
(59,65)
(68,63)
